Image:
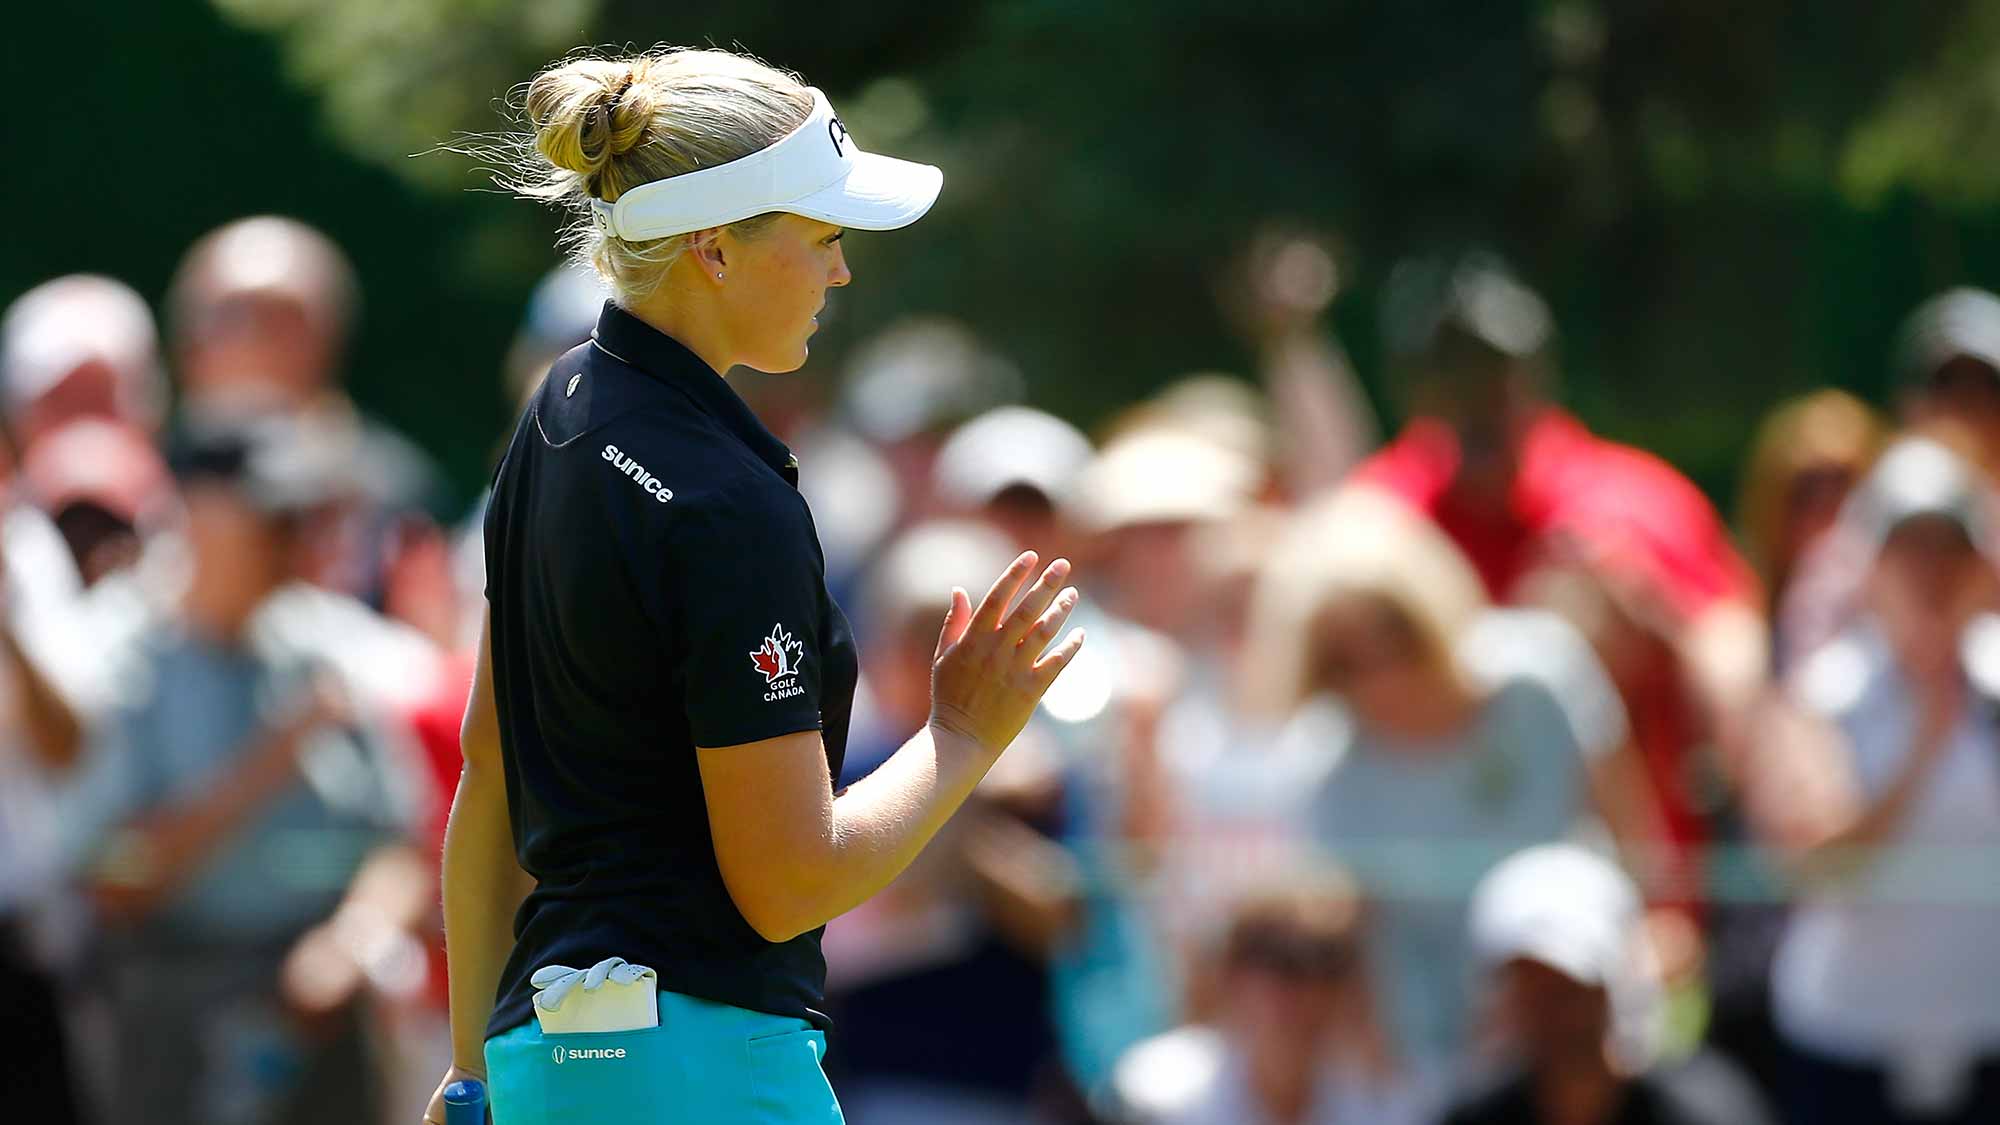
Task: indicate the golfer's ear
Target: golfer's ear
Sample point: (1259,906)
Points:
(705,247)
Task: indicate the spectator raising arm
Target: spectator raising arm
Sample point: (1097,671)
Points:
(1325,424)
(152,855)
(1811,806)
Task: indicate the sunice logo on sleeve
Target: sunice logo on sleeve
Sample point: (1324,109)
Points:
(777,659)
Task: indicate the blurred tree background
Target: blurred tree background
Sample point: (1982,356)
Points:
(1726,202)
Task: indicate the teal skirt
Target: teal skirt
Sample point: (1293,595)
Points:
(706,1063)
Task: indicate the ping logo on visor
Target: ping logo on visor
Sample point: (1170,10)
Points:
(835,183)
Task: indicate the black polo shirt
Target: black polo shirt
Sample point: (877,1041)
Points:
(655,584)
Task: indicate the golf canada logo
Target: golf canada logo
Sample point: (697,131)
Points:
(558,1054)
(777,659)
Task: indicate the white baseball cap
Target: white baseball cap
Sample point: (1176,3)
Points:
(1009,446)
(1917,477)
(62,325)
(816,170)
(1560,905)
(1162,476)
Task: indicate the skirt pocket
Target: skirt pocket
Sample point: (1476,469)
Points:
(788,1083)
(648,1076)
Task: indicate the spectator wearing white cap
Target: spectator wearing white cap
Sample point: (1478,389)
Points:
(1947,368)
(1555,929)
(1947,388)
(104,490)
(260,313)
(1144,497)
(79,346)
(80,392)
(1886,793)
(79,358)
(231,965)
(1012,466)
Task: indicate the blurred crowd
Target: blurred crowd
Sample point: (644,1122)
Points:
(1478,772)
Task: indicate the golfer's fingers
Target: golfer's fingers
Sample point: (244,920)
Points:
(1049,667)
(987,617)
(1037,601)
(1049,625)
(956,619)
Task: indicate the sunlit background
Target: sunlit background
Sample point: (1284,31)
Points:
(1434,747)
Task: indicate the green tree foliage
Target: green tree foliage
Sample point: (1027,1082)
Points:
(1727,202)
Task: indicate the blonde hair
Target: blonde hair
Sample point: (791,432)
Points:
(1355,542)
(1824,429)
(603,126)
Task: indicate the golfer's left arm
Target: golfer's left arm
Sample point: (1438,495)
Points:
(483,882)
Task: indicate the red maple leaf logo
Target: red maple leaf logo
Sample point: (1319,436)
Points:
(778,656)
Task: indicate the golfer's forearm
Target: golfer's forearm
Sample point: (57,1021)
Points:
(483,888)
(876,828)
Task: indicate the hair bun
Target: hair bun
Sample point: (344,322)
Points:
(590,112)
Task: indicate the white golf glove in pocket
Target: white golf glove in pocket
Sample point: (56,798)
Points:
(612,995)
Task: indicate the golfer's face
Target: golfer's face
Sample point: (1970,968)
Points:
(777,286)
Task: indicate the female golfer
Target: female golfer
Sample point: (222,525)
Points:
(664,685)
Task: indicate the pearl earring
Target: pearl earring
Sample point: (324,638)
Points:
(718,276)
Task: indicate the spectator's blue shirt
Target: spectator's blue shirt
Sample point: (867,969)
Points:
(194,708)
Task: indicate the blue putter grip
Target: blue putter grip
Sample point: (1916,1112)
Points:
(465,1102)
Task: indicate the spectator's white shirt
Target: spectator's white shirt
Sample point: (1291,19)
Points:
(1193,1076)
(28,856)
(42,592)
(1240,797)
(1903,958)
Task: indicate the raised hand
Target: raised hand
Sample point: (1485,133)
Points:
(990,669)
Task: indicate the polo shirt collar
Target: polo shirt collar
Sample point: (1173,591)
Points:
(652,351)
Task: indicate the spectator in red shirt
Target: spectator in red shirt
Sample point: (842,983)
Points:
(1610,535)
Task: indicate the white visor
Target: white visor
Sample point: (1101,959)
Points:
(816,170)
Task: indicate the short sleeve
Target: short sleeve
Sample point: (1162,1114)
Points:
(1508,645)
(748,615)
(489,530)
